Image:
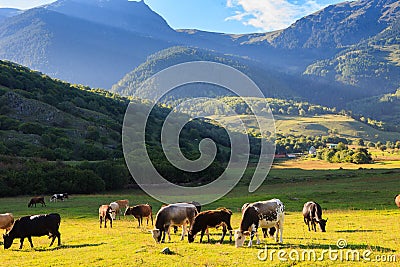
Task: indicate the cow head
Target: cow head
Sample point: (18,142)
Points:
(156,233)
(128,211)
(191,236)
(240,236)
(8,240)
(322,224)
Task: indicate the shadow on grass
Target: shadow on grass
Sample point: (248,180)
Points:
(325,246)
(43,249)
(357,231)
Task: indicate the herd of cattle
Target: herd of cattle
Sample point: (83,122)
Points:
(267,215)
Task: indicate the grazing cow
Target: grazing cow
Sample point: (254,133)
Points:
(312,212)
(211,218)
(35,225)
(115,210)
(123,204)
(266,214)
(6,221)
(174,214)
(198,208)
(267,232)
(105,212)
(397,200)
(36,200)
(56,197)
(140,211)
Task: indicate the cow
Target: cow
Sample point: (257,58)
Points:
(56,197)
(198,208)
(312,212)
(35,225)
(267,232)
(211,218)
(105,212)
(397,200)
(6,221)
(123,204)
(36,200)
(140,211)
(115,210)
(174,214)
(264,214)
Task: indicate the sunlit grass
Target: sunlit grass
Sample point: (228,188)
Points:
(358,204)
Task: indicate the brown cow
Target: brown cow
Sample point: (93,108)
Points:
(397,200)
(36,200)
(140,211)
(123,204)
(211,218)
(105,212)
(6,221)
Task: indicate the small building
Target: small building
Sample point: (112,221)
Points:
(312,150)
(331,145)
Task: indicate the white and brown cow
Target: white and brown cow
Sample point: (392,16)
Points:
(123,204)
(179,214)
(263,214)
(397,200)
(312,212)
(115,210)
(6,221)
(105,212)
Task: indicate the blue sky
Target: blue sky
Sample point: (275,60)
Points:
(230,16)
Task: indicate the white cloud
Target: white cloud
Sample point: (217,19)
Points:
(269,15)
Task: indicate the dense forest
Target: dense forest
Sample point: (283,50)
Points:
(44,122)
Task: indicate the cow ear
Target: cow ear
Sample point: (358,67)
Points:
(246,233)
(326,220)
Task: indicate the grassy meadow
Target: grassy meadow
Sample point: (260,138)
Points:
(358,204)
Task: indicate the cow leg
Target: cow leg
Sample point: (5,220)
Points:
(258,239)
(30,241)
(208,234)
(223,233)
(230,231)
(279,231)
(101,220)
(251,239)
(169,233)
(183,231)
(21,242)
(111,222)
(202,234)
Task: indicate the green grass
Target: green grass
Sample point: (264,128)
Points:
(358,204)
(316,125)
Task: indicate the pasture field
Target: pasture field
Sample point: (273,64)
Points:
(358,204)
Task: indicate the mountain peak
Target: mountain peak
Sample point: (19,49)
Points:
(128,15)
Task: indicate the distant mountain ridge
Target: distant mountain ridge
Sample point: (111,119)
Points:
(97,42)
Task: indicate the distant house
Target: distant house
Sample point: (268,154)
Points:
(331,145)
(312,150)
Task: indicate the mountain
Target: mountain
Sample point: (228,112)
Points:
(128,15)
(338,26)
(51,120)
(272,82)
(8,12)
(340,53)
(372,64)
(73,49)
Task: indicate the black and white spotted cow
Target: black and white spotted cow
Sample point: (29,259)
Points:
(264,214)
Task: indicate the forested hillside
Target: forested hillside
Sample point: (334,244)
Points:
(44,122)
